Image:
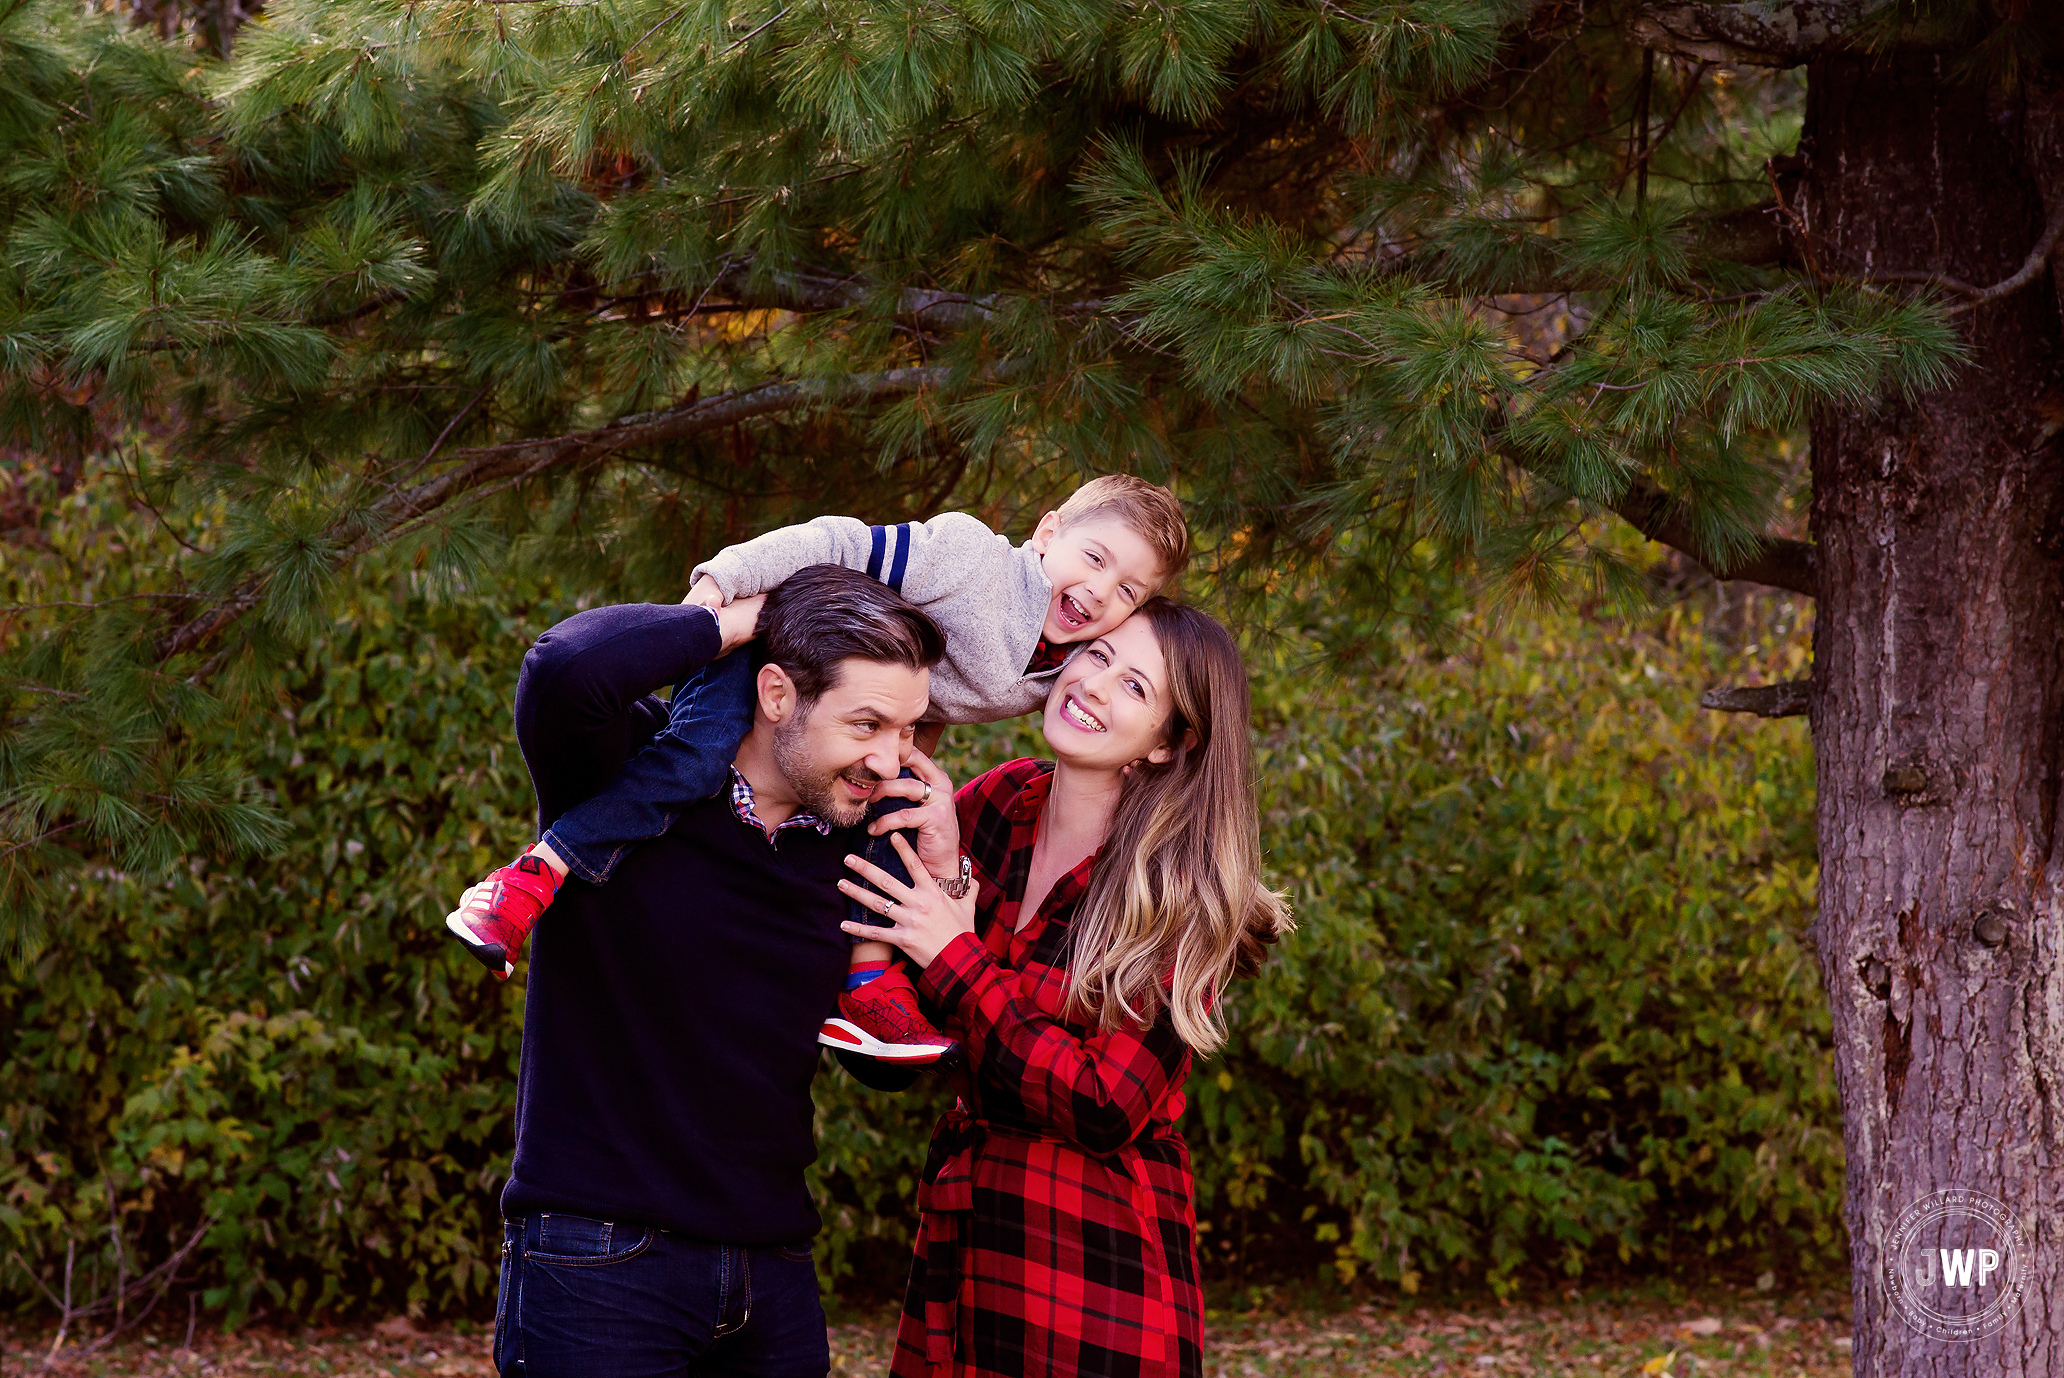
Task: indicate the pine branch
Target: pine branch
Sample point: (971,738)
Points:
(1791,699)
(2031,268)
(807,291)
(1759,33)
(475,470)
(1752,236)
(1779,563)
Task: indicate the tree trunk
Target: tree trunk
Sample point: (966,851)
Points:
(1938,721)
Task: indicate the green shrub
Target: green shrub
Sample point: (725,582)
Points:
(1546,1004)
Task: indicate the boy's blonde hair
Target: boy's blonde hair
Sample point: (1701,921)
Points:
(1149,509)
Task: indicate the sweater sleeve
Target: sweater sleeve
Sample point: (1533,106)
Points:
(926,562)
(755,566)
(1097,1092)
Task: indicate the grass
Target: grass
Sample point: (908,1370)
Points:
(1654,1335)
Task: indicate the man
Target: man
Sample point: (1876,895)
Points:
(657,1220)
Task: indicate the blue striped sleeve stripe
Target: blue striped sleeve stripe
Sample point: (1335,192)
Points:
(879,553)
(874,556)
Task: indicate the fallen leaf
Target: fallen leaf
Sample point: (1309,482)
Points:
(1704,1325)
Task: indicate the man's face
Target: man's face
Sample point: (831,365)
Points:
(857,734)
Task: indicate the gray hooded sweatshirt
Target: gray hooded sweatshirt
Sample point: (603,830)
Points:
(989,596)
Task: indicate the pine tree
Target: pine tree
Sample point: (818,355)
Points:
(440,285)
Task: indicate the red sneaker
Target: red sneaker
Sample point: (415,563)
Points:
(497,915)
(882,1021)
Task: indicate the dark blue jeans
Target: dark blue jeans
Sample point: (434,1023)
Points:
(689,760)
(587,1298)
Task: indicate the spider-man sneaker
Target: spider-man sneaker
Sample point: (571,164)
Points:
(497,915)
(881,1020)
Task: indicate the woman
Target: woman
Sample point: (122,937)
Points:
(1118,891)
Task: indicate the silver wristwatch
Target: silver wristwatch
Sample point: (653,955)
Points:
(958,886)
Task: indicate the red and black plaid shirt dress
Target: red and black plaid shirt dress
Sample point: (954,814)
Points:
(1059,1218)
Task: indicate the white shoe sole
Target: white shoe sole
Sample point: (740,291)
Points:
(488,954)
(849,1037)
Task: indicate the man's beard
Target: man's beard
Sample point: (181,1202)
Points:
(816,790)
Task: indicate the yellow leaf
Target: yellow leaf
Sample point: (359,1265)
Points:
(1660,1364)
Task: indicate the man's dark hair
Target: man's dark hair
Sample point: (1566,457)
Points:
(825,614)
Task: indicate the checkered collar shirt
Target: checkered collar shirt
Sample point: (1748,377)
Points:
(742,805)
(1048,657)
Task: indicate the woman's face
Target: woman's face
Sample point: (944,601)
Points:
(1110,704)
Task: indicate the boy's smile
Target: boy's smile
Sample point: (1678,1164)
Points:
(1100,569)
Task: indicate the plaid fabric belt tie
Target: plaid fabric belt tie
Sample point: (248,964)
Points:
(946,1196)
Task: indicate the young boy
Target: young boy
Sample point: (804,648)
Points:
(1010,614)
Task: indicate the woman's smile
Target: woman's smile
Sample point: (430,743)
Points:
(1073,711)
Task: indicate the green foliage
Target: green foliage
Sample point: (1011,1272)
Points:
(1547,1004)
(1546,1007)
(289,1049)
(602,278)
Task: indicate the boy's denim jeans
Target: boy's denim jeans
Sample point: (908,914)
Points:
(601,1299)
(689,760)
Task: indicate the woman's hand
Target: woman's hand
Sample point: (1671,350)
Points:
(935,820)
(922,919)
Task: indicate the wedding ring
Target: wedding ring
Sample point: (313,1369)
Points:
(887,905)
(926,798)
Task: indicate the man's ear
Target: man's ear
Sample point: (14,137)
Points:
(777,693)
(1043,534)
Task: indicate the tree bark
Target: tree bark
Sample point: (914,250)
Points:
(1938,711)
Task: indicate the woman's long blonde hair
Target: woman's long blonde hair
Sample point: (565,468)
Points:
(1176,907)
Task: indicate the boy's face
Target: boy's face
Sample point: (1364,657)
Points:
(1100,569)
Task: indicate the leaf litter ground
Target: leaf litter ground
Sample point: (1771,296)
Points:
(1696,1335)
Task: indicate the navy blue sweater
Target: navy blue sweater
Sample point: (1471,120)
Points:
(670,1024)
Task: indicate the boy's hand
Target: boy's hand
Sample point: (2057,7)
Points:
(934,826)
(704,593)
(739,622)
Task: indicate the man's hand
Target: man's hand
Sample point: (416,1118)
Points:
(704,593)
(935,823)
(738,622)
(923,920)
